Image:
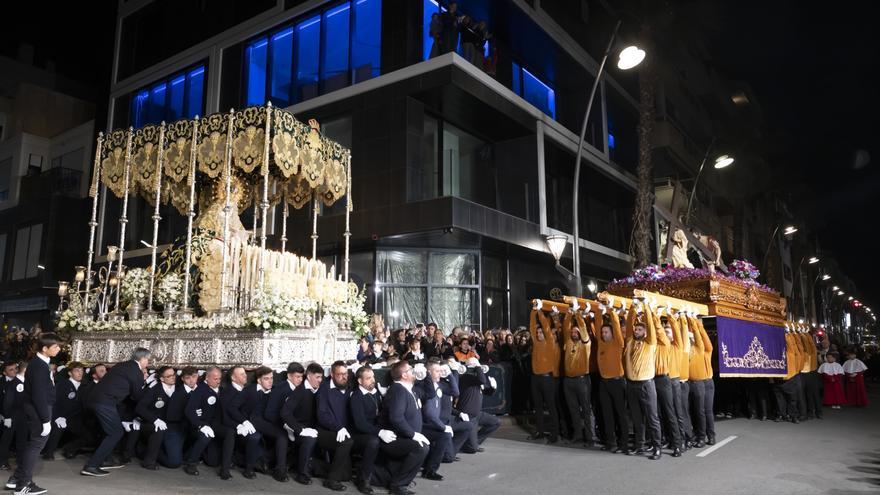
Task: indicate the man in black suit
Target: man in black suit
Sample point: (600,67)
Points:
(333,434)
(205,416)
(123,381)
(254,401)
(68,414)
(364,405)
(402,415)
(433,427)
(14,424)
(472,386)
(155,409)
(299,413)
(38,399)
(235,418)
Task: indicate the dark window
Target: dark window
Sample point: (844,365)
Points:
(180,96)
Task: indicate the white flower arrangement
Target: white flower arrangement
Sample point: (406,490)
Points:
(351,312)
(68,319)
(169,289)
(136,285)
(201,323)
(274,310)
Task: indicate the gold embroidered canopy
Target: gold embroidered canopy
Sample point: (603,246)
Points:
(302,163)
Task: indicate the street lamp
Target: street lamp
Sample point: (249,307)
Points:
(788,231)
(826,277)
(592,286)
(721,161)
(556,243)
(629,57)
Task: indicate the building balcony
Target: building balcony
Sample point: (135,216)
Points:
(57,181)
(669,136)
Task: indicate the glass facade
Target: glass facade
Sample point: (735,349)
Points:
(533,90)
(178,97)
(321,52)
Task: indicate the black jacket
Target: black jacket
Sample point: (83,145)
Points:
(300,409)
(67,399)
(364,410)
(12,400)
(231,400)
(39,391)
(279,395)
(203,407)
(155,404)
(121,381)
(401,414)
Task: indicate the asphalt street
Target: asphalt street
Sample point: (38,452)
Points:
(839,455)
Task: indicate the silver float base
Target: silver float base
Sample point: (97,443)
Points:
(222,347)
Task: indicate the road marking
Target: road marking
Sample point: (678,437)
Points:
(716,446)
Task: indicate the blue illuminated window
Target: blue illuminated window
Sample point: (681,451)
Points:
(431,7)
(335,47)
(180,96)
(366,40)
(307,44)
(255,61)
(611,141)
(282,66)
(533,90)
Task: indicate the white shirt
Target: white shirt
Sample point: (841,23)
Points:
(261,389)
(831,369)
(291,385)
(20,377)
(854,366)
(237,386)
(216,390)
(309,386)
(367,392)
(43,358)
(187,389)
(75,383)
(169,389)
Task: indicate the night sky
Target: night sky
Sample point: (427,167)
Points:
(811,66)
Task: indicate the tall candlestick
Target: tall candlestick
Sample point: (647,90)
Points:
(123,219)
(156,217)
(190,215)
(348,208)
(284,215)
(264,204)
(227,209)
(315,229)
(93,222)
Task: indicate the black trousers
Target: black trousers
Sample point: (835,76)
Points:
(613,402)
(786,392)
(757,392)
(18,434)
(577,397)
(666,403)
(278,436)
(305,447)
(482,425)
(406,457)
(642,398)
(675,385)
(813,393)
(544,395)
(441,442)
(367,446)
(77,435)
(698,413)
(155,439)
(461,435)
(27,457)
(224,440)
(340,466)
(709,406)
(685,419)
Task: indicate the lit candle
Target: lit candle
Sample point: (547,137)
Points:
(80,273)
(62,289)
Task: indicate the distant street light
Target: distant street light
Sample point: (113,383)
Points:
(723,161)
(592,286)
(630,57)
(791,229)
(813,260)
(826,277)
(788,231)
(720,162)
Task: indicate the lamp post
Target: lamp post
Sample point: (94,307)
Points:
(722,161)
(789,230)
(629,57)
(797,273)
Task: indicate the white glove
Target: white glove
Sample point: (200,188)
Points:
(207,431)
(462,369)
(537,304)
(602,308)
(493,382)
(464,417)
(61,422)
(448,429)
(160,425)
(419,371)
(249,427)
(47,427)
(309,432)
(151,380)
(421,439)
(342,435)
(387,436)
(7,422)
(241,430)
(290,434)
(126,425)
(199,413)
(136,425)
(382,390)
(484,368)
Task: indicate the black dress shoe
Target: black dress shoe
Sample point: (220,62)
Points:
(225,475)
(401,490)
(280,476)
(432,475)
(550,441)
(364,488)
(795,420)
(48,457)
(249,474)
(125,460)
(109,464)
(334,485)
(480,449)
(303,479)
(93,471)
(67,455)
(655,454)
(191,469)
(676,452)
(643,450)
(763,418)
(151,467)
(606,448)
(710,441)
(537,436)
(699,444)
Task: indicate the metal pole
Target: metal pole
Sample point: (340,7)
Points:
(190,214)
(687,215)
(348,208)
(577,166)
(264,204)
(156,216)
(123,219)
(767,251)
(227,209)
(284,215)
(93,224)
(315,228)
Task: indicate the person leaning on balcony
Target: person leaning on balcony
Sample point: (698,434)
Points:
(545,372)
